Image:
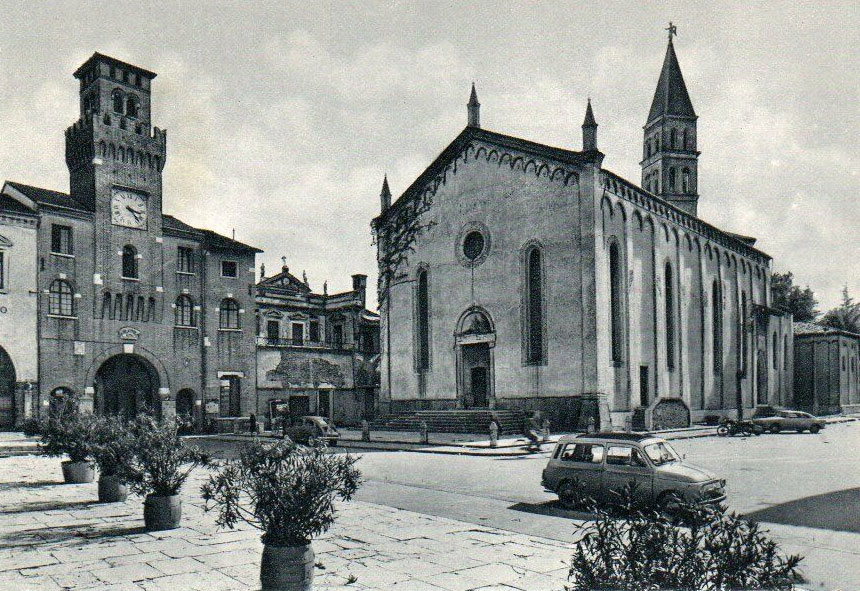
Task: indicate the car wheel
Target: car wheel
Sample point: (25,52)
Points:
(815,429)
(722,431)
(670,503)
(774,429)
(570,494)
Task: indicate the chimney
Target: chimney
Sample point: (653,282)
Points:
(359,284)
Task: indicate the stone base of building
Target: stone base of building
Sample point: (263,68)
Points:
(848,409)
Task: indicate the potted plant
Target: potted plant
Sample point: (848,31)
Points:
(288,492)
(157,469)
(69,433)
(114,444)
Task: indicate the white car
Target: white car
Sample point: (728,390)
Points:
(790,420)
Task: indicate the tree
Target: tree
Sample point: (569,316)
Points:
(791,298)
(846,316)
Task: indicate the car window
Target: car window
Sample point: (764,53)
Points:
(582,452)
(618,455)
(661,453)
(638,460)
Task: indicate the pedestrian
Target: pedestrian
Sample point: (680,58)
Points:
(532,432)
(545,431)
(494,433)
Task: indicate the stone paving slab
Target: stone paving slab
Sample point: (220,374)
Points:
(55,536)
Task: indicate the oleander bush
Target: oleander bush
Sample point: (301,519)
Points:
(286,490)
(68,432)
(113,444)
(161,461)
(710,550)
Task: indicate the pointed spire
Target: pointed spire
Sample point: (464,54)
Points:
(589,130)
(385,194)
(473,108)
(671,97)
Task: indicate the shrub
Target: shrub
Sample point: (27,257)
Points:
(286,490)
(113,444)
(69,433)
(161,461)
(644,549)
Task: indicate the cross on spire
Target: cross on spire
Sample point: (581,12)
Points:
(673,31)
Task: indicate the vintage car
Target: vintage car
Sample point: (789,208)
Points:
(777,419)
(590,466)
(305,430)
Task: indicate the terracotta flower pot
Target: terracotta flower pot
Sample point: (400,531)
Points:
(287,568)
(161,513)
(78,472)
(112,489)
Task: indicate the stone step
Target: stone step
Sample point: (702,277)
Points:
(453,421)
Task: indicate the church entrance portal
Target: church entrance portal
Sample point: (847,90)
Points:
(7,391)
(475,339)
(126,385)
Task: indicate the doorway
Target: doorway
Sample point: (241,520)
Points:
(126,385)
(7,391)
(231,395)
(324,404)
(185,410)
(476,375)
(643,385)
(273,331)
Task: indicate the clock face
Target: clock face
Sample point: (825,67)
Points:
(128,209)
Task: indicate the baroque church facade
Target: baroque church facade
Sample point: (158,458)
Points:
(129,308)
(523,276)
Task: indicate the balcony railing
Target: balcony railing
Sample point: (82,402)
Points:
(288,343)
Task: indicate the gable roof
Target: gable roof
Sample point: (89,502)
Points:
(671,97)
(286,281)
(813,328)
(48,197)
(9,204)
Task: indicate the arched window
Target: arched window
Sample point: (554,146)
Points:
(685,180)
(129,262)
(615,303)
(775,351)
(185,311)
(534,307)
(648,148)
(670,317)
(656,143)
(656,184)
(672,179)
(673,138)
(60,299)
(131,106)
(117,101)
(229,314)
(686,139)
(129,307)
(717,298)
(106,306)
(422,327)
(151,308)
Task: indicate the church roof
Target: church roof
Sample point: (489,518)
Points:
(671,97)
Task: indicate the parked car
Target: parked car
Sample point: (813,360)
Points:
(304,430)
(592,465)
(788,420)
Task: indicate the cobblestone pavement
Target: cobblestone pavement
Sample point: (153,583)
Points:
(56,536)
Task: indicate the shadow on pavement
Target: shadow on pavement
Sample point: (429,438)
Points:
(29,484)
(551,508)
(76,535)
(837,511)
(38,507)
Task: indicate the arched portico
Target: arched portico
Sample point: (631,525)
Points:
(127,384)
(474,340)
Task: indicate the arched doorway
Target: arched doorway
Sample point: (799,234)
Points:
(127,385)
(474,339)
(185,410)
(7,391)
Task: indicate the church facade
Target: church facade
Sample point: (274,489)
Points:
(128,308)
(519,275)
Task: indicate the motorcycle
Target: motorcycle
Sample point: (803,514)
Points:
(730,427)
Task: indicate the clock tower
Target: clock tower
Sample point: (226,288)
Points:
(115,158)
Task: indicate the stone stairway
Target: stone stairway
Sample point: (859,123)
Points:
(453,421)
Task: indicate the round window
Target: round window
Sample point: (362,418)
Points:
(473,245)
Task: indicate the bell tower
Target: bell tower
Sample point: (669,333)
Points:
(669,157)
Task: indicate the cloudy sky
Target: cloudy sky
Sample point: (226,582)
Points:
(283,116)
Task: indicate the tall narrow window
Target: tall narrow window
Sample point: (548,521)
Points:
(106,307)
(534,304)
(117,101)
(776,350)
(2,271)
(185,260)
(61,239)
(423,324)
(785,354)
(672,179)
(673,138)
(129,262)
(60,299)
(184,311)
(742,323)
(670,318)
(716,296)
(686,140)
(615,305)
(685,180)
(228,314)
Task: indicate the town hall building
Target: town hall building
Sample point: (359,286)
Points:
(116,303)
(516,275)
